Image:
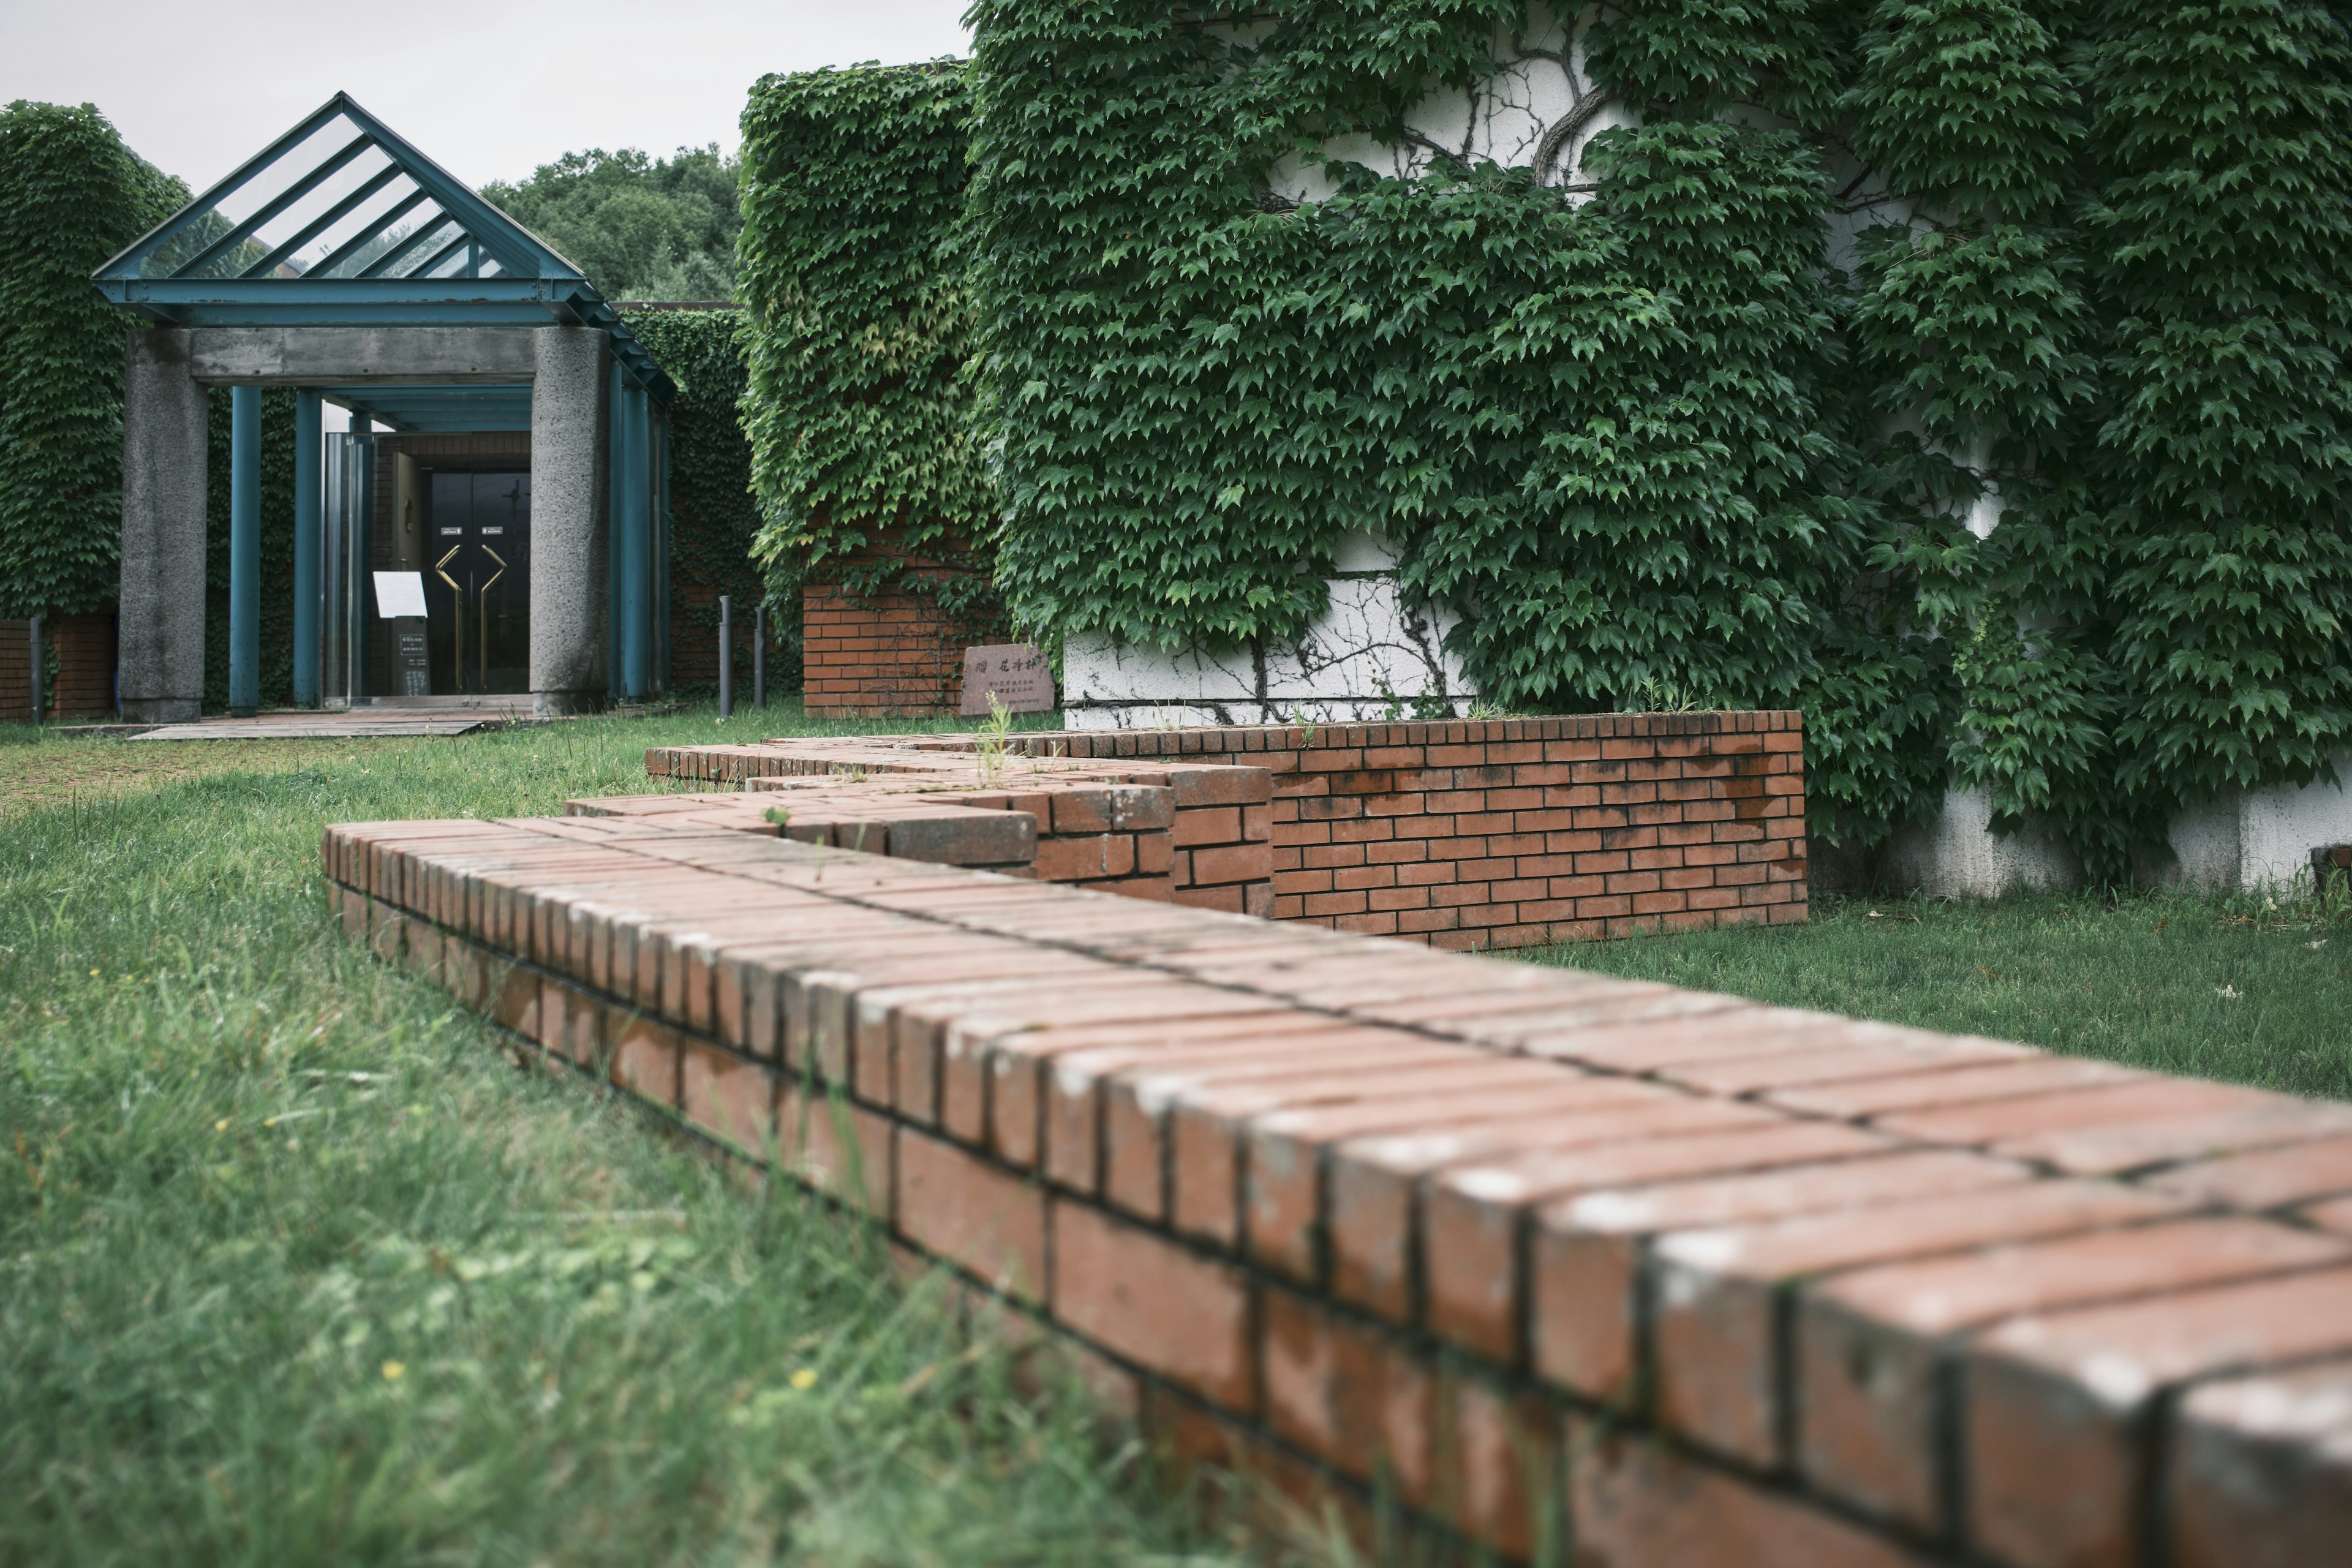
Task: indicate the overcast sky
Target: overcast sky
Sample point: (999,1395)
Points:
(488,88)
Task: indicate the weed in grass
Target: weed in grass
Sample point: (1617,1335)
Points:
(994,741)
(295,1269)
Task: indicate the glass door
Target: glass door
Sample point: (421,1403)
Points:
(477,581)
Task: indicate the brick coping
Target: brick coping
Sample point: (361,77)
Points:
(1695,1278)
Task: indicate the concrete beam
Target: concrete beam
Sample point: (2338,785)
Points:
(163,598)
(347,356)
(571,552)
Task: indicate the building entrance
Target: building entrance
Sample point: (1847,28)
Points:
(477,580)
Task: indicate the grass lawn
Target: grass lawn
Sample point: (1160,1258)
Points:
(295,1267)
(2227,989)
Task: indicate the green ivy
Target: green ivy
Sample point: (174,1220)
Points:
(1694,432)
(2222,221)
(71,195)
(714,519)
(853,262)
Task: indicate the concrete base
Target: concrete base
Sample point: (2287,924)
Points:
(2254,841)
(162,711)
(1960,856)
(1371,658)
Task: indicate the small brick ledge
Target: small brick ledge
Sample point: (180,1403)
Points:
(1534,1254)
(1463,834)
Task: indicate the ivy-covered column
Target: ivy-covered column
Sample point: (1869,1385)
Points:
(164,439)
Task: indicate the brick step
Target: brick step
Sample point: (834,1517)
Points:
(1702,1280)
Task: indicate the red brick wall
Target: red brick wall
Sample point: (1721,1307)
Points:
(1518,832)
(81,649)
(1463,834)
(887,652)
(1522,1254)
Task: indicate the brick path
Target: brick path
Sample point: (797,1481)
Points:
(1700,1280)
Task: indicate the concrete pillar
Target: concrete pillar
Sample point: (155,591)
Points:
(162,639)
(308,542)
(569,495)
(244,550)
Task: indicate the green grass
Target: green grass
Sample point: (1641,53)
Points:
(2239,989)
(295,1268)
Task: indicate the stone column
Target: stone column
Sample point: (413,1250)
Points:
(163,598)
(570,492)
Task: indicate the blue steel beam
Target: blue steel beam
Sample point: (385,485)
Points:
(374,231)
(324,221)
(424,269)
(402,249)
(239,233)
(308,540)
(244,550)
(297,292)
(126,260)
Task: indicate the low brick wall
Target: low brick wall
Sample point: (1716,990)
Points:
(82,657)
(1538,1256)
(1220,815)
(1463,834)
(892,651)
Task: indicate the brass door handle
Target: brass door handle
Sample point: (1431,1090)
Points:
(483,601)
(457,623)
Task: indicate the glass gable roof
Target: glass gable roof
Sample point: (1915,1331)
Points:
(342,222)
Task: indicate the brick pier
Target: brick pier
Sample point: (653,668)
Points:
(1534,1254)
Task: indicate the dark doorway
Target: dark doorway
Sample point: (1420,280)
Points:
(477,580)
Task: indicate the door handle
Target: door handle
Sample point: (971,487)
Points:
(483,601)
(458,622)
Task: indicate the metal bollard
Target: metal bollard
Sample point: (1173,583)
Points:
(726,657)
(759,655)
(39,669)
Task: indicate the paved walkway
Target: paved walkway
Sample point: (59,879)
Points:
(309,724)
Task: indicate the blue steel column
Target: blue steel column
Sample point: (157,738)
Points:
(636,604)
(244,550)
(661,563)
(309,541)
(617,533)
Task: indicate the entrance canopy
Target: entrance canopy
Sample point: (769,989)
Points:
(342,264)
(342,223)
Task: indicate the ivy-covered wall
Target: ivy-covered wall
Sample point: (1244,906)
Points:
(714,518)
(71,195)
(863,448)
(1966,373)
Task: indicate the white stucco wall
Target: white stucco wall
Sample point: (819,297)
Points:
(1371,656)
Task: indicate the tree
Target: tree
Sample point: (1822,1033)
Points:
(641,227)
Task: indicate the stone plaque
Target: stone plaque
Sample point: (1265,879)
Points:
(1017,674)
